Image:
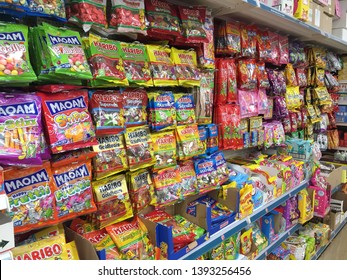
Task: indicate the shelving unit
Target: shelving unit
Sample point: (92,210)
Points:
(237,226)
(262,255)
(341,124)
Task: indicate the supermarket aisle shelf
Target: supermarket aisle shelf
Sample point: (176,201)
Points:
(228,231)
(341,124)
(262,255)
(333,235)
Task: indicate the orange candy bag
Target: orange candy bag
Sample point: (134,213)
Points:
(31,198)
(73,192)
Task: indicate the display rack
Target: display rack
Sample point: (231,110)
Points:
(237,226)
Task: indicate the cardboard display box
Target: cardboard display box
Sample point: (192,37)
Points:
(341,33)
(333,219)
(343,197)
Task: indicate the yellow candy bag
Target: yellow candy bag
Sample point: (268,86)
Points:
(141,189)
(162,68)
(186,67)
(53,248)
(112,200)
(293,98)
(45,233)
(72,251)
(189,144)
(164,145)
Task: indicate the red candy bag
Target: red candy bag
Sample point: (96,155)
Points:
(162,19)
(69,124)
(193,20)
(87,13)
(248,41)
(107,110)
(263,45)
(263,80)
(128,16)
(73,192)
(206,51)
(247,74)
(31,199)
(283,49)
(275,51)
(231,81)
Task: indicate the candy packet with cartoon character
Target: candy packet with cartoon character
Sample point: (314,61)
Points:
(188,142)
(164,145)
(188,177)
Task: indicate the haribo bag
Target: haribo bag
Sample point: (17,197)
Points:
(164,146)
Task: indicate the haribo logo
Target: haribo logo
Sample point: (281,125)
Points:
(32,179)
(124,228)
(106,46)
(168,139)
(70,40)
(206,164)
(191,12)
(47,252)
(56,107)
(29,108)
(134,50)
(167,175)
(160,4)
(108,139)
(12,36)
(78,173)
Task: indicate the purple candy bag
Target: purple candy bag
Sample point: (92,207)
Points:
(20,129)
(280,107)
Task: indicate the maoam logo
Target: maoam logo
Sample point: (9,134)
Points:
(32,179)
(19,109)
(80,172)
(69,40)
(12,36)
(56,107)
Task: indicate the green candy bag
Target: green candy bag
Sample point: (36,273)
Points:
(66,53)
(15,67)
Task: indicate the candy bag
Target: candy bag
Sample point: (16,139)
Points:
(193,19)
(167,186)
(53,248)
(30,194)
(206,52)
(204,98)
(319,75)
(105,60)
(278,133)
(188,178)
(248,41)
(280,107)
(188,141)
(139,147)
(274,47)
(15,64)
(283,49)
(72,251)
(203,135)
(111,156)
(212,138)
(72,190)
(186,67)
(277,81)
(69,124)
(164,146)
(293,98)
(248,103)
(128,16)
(263,80)
(206,174)
(263,103)
(162,67)
(301,77)
(229,41)
(66,53)
(264,45)
(43,234)
(101,240)
(141,189)
(269,135)
(135,62)
(107,110)
(185,111)
(221,81)
(162,113)
(132,240)
(162,19)
(222,168)
(290,76)
(87,13)
(112,201)
(20,128)
(247,74)
(135,106)
(189,226)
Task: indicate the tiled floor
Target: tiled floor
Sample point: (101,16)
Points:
(337,250)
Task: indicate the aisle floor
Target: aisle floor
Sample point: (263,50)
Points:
(337,250)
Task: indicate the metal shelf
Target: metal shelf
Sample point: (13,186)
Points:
(228,231)
(333,235)
(262,255)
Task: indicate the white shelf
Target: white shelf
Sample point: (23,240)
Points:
(341,124)
(343,103)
